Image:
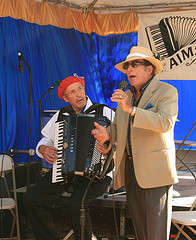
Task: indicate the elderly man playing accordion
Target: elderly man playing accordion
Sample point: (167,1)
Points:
(39,199)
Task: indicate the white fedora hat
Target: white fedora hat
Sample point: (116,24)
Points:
(138,52)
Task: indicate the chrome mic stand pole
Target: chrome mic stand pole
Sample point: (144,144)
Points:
(40,104)
(82,210)
(40,112)
(40,109)
(40,122)
(20,57)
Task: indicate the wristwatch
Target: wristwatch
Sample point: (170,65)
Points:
(133,111)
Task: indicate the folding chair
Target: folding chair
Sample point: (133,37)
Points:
(6,201)
(185,219)
(188,144)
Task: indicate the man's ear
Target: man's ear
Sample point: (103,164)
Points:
(150,69)
(65,98)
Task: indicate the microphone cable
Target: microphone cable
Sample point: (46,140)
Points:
(123,85)
(113,175)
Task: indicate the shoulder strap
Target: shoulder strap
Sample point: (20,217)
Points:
(97,107)
(67,109)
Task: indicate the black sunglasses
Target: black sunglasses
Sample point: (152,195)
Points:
(134,64)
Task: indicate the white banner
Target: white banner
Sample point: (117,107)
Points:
(172,38)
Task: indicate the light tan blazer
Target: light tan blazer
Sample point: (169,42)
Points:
(152,137)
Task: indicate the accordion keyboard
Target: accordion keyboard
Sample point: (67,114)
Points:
(156,40)
(58,143)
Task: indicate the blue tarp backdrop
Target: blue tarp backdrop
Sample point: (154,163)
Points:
(53,54)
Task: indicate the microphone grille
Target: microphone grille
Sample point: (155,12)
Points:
(123,85)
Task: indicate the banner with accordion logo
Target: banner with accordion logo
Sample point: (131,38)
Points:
(172,38)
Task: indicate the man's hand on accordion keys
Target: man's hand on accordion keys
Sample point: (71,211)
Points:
(48,153)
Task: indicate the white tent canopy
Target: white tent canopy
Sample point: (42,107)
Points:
(116,6)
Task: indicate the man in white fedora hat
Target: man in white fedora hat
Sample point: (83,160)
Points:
(143,130)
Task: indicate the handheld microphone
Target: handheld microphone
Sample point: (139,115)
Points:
(30,152)
(123,85)
(20,67)
(56,84)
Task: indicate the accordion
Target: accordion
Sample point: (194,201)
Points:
(171,34)
(77,152)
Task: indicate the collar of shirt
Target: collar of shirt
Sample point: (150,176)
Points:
(142,89)
(88,104)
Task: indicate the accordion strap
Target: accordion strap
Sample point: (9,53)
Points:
(97,107)
(67,109)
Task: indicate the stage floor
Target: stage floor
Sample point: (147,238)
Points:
(103,220)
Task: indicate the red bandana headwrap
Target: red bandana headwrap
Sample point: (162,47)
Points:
(68,81)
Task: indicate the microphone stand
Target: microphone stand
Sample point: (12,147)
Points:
(29,130)
(40,119)
(82,210)
(40,104)
(40,109)
(5,153)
